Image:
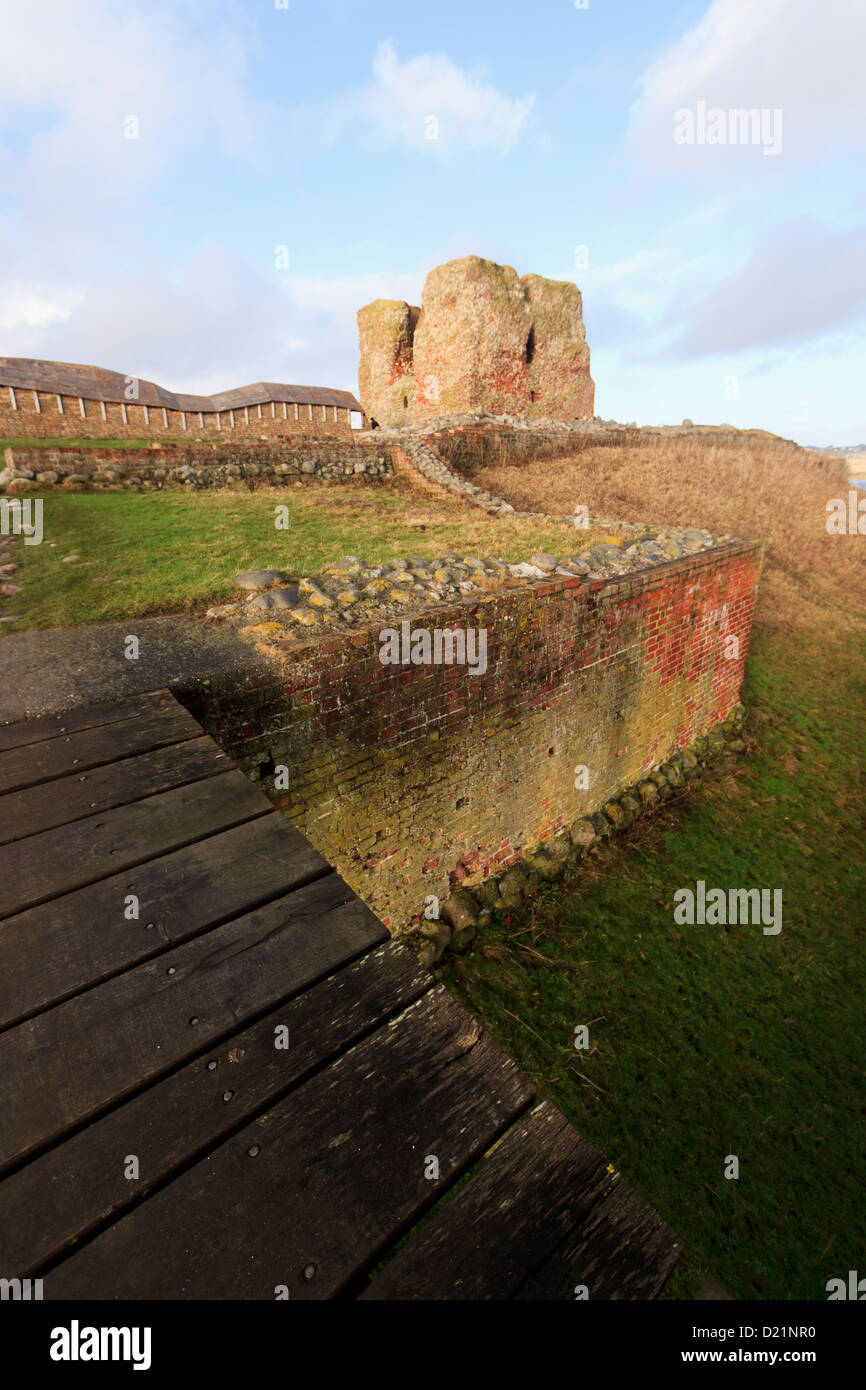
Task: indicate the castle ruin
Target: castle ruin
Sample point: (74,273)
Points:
(482,339)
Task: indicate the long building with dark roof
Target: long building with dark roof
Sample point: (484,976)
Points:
(67,399)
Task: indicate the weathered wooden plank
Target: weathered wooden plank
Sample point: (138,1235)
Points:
(84,794)
(75,753)
(624,1251)
(61,1197)
(538,1183)
(86,717)
(58,861)
(61,1068)
(309,1194)
(53,951)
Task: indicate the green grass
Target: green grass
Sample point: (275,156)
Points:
(81,443)
(706,1042)
(175,551)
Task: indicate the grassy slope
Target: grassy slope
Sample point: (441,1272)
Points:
(704,1042)
(160,552)
(707,1042)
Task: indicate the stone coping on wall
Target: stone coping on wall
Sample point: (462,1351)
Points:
(290,639)
(280,610)
(596,425)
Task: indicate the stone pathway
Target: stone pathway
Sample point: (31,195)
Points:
(63,668)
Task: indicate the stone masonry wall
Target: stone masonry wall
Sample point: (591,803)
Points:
(197,465)
(415,780)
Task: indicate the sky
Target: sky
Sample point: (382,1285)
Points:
(204,192)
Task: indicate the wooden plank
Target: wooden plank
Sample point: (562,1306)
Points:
(538,1183)
(60,1198)
(624,1251)
(75,753)
(72,721)
(310,1193)
(61,1068)
(58,861)
(84,794)
(53,951)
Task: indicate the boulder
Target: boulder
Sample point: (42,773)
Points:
(544,561)
(260,579)
(435,931)
(460,911)
(513,886)
(276,598)
(583,834)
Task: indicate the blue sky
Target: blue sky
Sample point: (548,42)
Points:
(281,173)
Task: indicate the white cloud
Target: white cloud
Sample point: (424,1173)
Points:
(429,104)
(26,307)
(626,300)
(75,77)
(83,278)
(344,296)
(801,281)
(802,57)
(217,321)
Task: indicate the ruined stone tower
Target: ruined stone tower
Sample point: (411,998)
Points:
(483,338)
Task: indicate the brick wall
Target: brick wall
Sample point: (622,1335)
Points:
(468,448)
(111,420)
(414,779)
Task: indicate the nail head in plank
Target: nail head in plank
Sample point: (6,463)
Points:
(66,1193)
(64,1066)
(310,1194)
(60,948)
(75,753)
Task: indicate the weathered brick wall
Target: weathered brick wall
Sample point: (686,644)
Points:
(198,464)
(414,779)
(468,448)
(107,420)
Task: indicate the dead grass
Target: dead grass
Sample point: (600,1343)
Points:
(767,491)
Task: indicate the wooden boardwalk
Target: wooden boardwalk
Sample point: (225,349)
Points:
(219,1078)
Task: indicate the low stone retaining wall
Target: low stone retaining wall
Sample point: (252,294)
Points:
(469,445)
(196,466)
